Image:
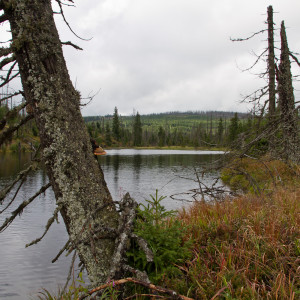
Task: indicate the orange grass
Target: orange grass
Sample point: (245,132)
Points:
(246,248)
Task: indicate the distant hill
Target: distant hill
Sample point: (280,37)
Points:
(173,116)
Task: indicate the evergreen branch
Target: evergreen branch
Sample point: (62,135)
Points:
(6,133)
(21,207)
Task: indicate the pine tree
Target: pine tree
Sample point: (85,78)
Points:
(233,128)
(220,130)
(137,130)
(116,125)
(107,134)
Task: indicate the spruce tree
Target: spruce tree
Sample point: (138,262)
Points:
(137,130)
(116,125)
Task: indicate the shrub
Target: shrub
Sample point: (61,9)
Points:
(165,237)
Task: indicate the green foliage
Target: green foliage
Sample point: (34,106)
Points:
(164,235)
(107,134)
(116,125)
(34,130)
(76,289)
(187,129)
(137,130)
(3,111)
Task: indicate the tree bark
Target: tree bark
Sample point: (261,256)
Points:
(271,62)
(74,174)
(287,102)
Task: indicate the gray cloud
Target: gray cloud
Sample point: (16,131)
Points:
(167,55)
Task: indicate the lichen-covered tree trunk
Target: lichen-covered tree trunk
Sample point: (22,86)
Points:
(288,113)
(76,178)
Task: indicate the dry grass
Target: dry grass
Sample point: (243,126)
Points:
(246,248)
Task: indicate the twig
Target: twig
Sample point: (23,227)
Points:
(150,286)
(47,227)
(248,38)
(20,176)
(24,204)
(71,44)
(10,130)
(61,251)
(70,271)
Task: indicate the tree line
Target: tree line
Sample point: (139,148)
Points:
(192,129)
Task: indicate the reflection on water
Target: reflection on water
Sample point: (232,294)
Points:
(23,271)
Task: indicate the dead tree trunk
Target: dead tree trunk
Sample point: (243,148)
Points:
(77,180)
(271,62)
(287,103)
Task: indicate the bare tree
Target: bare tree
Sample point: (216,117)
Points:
(288,114)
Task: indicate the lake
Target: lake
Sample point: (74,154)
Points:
(24,271)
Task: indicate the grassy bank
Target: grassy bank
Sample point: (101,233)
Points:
(242,248)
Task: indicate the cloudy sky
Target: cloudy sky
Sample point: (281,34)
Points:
(169,55)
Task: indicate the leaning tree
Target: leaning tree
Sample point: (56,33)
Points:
(96,229)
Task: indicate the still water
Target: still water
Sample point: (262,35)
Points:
(24,271)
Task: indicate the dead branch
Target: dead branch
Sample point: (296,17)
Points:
(15,195)
(11,114)
(7,61)
(3,18)
(20,176)
(140,275)
(47,227)
(64,18)
(128,207)
(65,247)
(6,133)
(11,95)
(150,286)
(148,296)
(248,38)
(70,271)
(9,78)
(90,98)
(71,44)
(4,51)
(295,59)
(24,204)
(144,246)
(258,58)
(262,92)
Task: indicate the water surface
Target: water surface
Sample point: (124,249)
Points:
(24,271)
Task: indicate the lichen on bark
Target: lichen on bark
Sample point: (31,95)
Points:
(75,176)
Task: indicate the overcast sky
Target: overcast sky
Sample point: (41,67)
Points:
(169,55)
